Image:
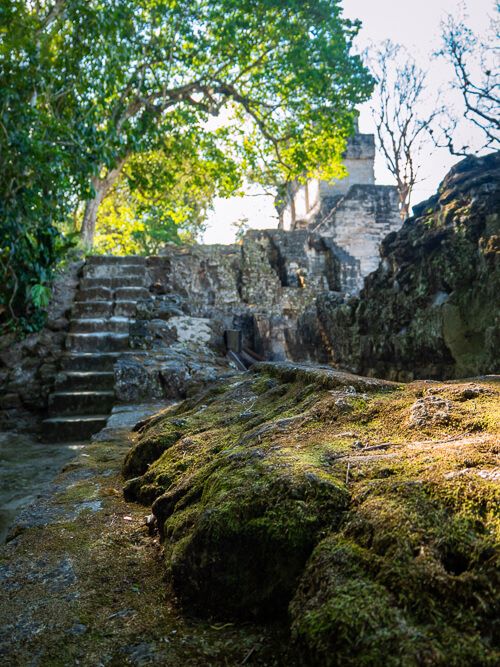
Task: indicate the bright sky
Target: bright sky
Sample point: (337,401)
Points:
(416,25)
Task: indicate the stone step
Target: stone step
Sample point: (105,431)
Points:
(114,259)
(85,380)
(92,309)
(95,361)
(89,361)
(94,294)
(100,271)
(80,403)
(131,293)
(112,283)
(120,308)
(124,308)
(97,342)
(72,428)
(100,324)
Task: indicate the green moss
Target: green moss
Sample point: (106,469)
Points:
(149,448)
(411,578)
(235,509)
(79,492)
(249,535)
(382,530)
(406,582)
(342,617)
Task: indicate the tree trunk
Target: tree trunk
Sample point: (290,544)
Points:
(101,188)
(404,191)
(90,216)
(404,210)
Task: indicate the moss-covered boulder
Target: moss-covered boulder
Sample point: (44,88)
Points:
(241,540)
(407,581)
(236,500)
(370,508)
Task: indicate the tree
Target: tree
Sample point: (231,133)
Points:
(401,124)
(149,66)
(474,64)
(87,84)
(164,196)
(42,172)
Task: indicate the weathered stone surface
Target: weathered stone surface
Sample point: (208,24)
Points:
(430,410)
(261,287)
(432,307)
(322,376)
(358,223)
(28,368)
(179,355)
(337,494)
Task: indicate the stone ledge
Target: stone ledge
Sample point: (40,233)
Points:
(323,376)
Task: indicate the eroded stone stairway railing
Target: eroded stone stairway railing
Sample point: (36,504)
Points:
(104,305)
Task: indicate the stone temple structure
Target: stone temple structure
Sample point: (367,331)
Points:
(132,329)
(135,329)
(354,213)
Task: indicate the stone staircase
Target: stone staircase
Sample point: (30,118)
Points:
(104,305)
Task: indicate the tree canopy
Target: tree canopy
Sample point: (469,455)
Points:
(164,196)
(85,85)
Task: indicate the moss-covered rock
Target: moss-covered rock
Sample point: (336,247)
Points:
(405,582)
(240,512)
(141,456)
(242,539)
(341,616)
(431,309)
(372,507)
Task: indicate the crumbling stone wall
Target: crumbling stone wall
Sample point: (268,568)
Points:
(28,368)
(261,287)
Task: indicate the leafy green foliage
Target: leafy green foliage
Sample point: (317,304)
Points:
(164,196)
(85,85)
(40,296)
(40,171)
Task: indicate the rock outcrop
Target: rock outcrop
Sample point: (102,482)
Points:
(432,308)
(361,510)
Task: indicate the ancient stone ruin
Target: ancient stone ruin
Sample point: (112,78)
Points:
(132,329)
(149,328)
(353,212)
